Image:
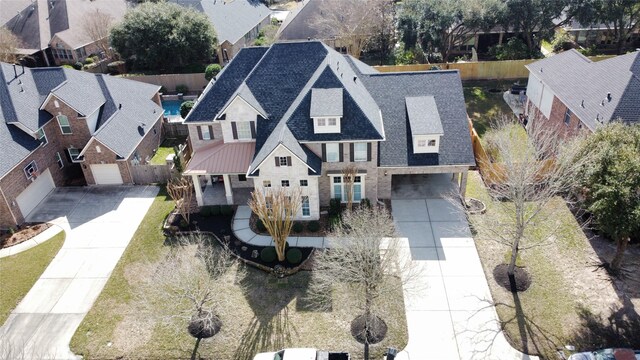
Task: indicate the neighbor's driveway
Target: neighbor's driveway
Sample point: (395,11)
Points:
(100,222)
(448,306)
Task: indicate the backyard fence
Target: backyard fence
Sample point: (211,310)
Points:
(482,70)
(149,174)
(195,82)
(175,129)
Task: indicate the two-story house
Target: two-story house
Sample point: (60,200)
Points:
(59,125)
(571,93)
(296,113)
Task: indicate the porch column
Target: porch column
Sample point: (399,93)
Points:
(463,183)
(198,189)
(227,189)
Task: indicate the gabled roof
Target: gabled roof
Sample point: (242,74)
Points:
(583,85)
(231,19)
(423,115)
(123,107)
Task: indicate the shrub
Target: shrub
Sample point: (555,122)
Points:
(185,108)
(513,49)
(226,210)
(95,58)
(335,207)
(260,226)
(182,88)
(294,256)
(211,71)
(88,60)
(313,226)
(334,221)
(215,210)
(366,203)
(562,40)
(297,227)
(184,224)
(78,65)
(205,211)
(268,254)
(67,66)
(116,67)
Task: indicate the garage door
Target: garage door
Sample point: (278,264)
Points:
(35,193)
(106,174)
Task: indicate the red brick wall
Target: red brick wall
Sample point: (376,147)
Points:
(556,120)
(80,133)
(15,181)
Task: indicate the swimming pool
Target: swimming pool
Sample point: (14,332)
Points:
(171,107)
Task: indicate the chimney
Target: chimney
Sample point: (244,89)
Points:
(609,96)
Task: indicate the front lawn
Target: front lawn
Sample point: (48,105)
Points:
(19,272)
(567,290)
(259,313)
(484,101)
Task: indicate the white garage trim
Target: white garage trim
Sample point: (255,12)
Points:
(106,174)
(30,197)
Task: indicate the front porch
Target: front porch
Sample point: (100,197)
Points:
(214,193)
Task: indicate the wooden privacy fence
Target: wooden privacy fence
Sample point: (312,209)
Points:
(481,70)
(149,174)
(175,129)
(195,81)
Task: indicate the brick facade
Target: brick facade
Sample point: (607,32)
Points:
(80,133)
(557,120)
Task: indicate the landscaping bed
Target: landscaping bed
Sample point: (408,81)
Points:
(27,232)
(485,103)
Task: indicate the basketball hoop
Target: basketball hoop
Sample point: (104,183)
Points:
(34,175)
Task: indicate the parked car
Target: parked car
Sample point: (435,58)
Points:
(302,354)
(607,354)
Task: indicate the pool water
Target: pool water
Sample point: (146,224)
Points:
(171,107)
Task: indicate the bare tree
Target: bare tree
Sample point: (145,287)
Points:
(9,45)
(367,260)
(277,208)
(188,285)
(181,191)
(97,27)
(349,174)
(352,23)
(527,171)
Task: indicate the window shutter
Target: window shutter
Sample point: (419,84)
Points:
(288,160)
(211,132)
(368,151)
(340,151)
(324,152)
(253,129)
(234,130)
(277,161)
(199,132)
(351,150)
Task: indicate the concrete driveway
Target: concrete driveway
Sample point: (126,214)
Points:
(449,311)
(100,222)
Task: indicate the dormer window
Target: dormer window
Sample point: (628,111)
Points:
(426,127)
(326,110)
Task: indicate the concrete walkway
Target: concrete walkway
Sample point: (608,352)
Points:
(448,307)
(49,233)
(100,222)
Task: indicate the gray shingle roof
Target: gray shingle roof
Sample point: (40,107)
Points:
(326,102)
(231,19)
(583,85)
(423,115)
(21,98)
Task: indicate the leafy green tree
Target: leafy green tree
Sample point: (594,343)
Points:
(622,17)
(163,36)
(185,108)
(513,49)
(440,26)
(211,71)
(612,183)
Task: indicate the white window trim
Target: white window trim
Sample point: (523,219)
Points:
(355,152)
(44,135)
(59,160)
(240,130)
(337,152)
(68,125)
(321,125)
(206,135)
(71,156)
(266,183)
(29,174)
(422,143)
(432,143)
(342,185)
(306,183)
(282,183)
(283,163)
(308,207)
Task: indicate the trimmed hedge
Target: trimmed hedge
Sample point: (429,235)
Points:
(294,256)
(268,254)
(313,226)
(297,227)
(260,226)
(226,210)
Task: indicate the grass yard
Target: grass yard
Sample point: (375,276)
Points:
(566,292)
(165,149)
(484,105)
(261,313)
(19,272)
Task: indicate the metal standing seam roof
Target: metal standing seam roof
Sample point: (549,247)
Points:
(423,115)
(221,158)
(583,85)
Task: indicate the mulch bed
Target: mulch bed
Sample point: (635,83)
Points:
(522,279)
(323,221)
(377,331)
(220,225)
(475,206)
(27,232)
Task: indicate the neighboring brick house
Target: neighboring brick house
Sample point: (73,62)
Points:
(237,22)
(571,93)
(57,124)
(53,32)
(297,113)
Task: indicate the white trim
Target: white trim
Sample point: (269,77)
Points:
(342,185)
(340,141)
(59,158)
(60,125)
(232,100)
(268,156)
(46,100)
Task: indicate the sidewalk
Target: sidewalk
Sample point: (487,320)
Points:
(52,231)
